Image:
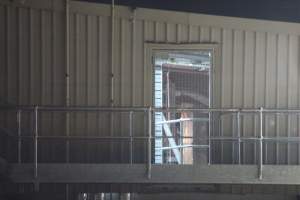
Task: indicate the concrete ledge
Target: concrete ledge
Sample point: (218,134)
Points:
(137,173)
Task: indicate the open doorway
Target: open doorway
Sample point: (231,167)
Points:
(182,79)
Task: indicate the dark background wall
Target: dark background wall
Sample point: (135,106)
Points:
(278,10)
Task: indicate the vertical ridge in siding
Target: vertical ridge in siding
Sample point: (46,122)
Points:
(18,74)
(282,68)
(7,63)
(298,93)
(132,61)
(2,54)
(138,64)
(205,35)
(122,61)
(178,33)
(270,93)
(248,93)
(117,62)
(193,34)
(292,78)
(288,118)
(216,37)
(227,65)
(12,63)
(183,34)
(254,104)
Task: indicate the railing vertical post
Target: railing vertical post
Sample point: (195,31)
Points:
(181,141)
(209,135)
(67,128)
(149,142)
(238,121)
(131,137)
(35,140)
(260,163)
(19,136)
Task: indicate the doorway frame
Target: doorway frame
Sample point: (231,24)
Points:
(214,76)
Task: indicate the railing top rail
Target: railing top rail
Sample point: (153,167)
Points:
(76,108)
(144,109)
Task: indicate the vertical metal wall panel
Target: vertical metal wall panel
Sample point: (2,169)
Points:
(216,37)
(73,43)
(205,34)
(3,53)
(227,71)
(171,32)
(58,54)
(259,79)
(138,87)
(150,36)
(282,98)
(104,67)
(238,87)
(79,148)
(260,69)
(293,96)
(2,73)
(73,57)
(10,47)
(270,95)
(248,94)
(12,87)
(238,68)
(138,63)
(126,67)
(91,130)
(45,66)
(115,145)
(193,33)
(125,82)
(160,31)
(183,33)
(117,60)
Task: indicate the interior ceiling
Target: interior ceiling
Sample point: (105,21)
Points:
(277,10)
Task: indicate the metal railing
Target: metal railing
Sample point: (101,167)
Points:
(260,112)
(37,109)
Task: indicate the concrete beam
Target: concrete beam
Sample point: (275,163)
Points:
(174,174)
(207,196)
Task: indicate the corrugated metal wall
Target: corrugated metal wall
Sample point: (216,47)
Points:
(259,67)
(32,56)
(32,64)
